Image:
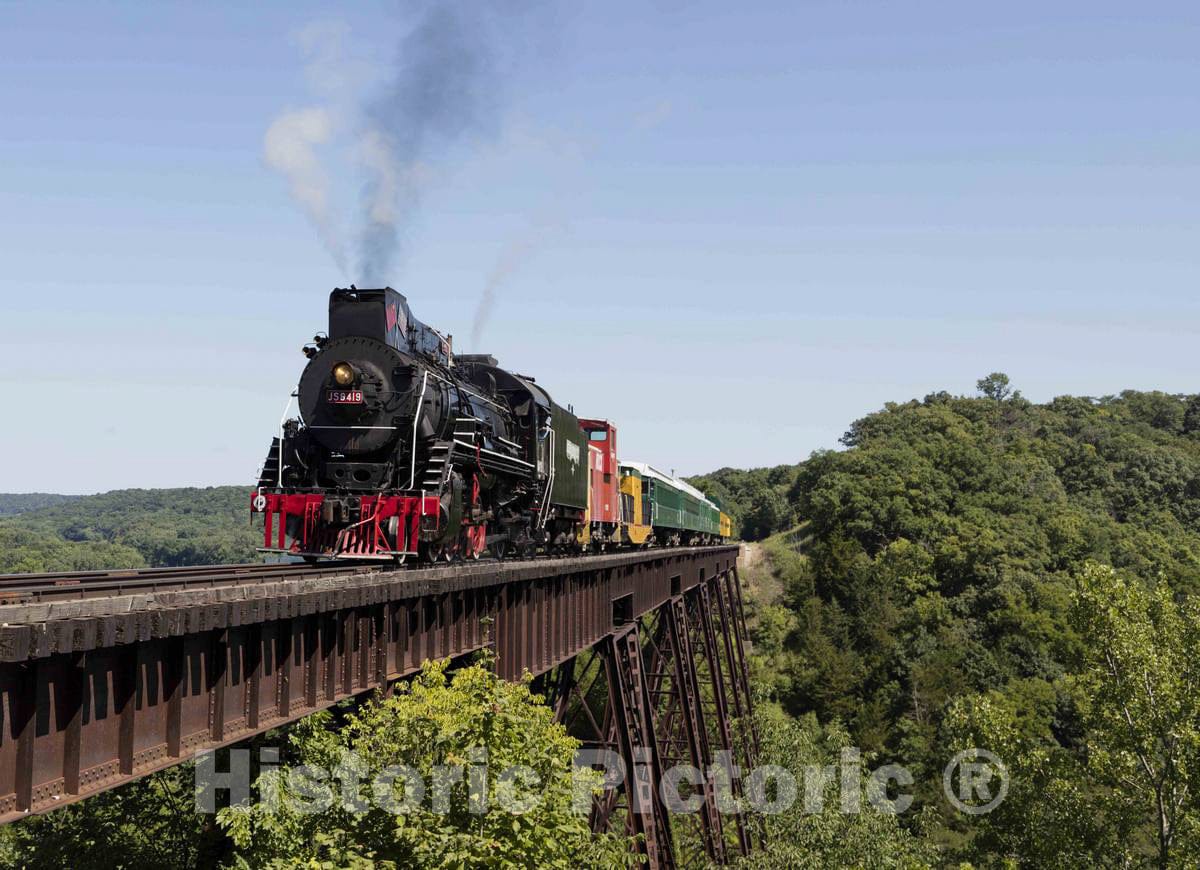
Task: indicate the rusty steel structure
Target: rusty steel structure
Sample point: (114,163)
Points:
(642,653)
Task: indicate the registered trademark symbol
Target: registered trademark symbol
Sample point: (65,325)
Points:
(975,781)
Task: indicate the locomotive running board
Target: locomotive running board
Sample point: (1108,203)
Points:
(380,554)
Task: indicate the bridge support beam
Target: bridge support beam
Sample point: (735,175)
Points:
(685,697)
(633,716)
(673,690)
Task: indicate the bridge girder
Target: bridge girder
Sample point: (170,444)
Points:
(98,692)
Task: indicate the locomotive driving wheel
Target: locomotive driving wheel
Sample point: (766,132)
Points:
(499,547)
(437,551)
(473,541)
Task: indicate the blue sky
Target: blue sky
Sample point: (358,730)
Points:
(731,230)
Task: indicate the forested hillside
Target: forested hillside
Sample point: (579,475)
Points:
(13,503)
(130,528)
(757,499)
(947,586)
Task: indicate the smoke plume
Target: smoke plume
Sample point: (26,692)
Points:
(290,147)
(512,257)
(444,90)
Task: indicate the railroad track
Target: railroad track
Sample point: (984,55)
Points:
(22,588)
(67,585)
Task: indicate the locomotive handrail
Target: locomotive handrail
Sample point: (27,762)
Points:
(412,479)
(549,483)
(282,421)
(476,395)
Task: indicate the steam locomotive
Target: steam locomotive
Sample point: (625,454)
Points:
(404,450)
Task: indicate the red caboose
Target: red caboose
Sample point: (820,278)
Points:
(603,495)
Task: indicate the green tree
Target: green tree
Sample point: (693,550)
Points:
(816,833)
(1157,409)
(995,386)
(754,498)
(434,720)
(1143,705)
(938,565)
(24,551)
(1054,814)
(1191,416)
(151,822)
(767,512)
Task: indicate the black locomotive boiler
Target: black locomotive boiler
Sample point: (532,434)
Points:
(403,449)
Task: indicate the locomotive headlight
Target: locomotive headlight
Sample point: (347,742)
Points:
(343,374)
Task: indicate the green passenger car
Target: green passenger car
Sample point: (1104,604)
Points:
(677,508)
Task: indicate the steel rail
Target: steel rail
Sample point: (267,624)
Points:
(108,573)
(89,584)
(67,585)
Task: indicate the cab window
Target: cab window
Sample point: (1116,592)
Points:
(598,435)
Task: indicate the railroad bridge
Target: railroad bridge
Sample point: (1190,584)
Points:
(108,676)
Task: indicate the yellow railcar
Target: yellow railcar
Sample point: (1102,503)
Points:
(635,519)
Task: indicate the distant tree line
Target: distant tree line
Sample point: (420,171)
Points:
(128,528)
(12,503)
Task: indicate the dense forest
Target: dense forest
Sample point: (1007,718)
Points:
(967,572)
(12,504)
(1003,573)
(128,528)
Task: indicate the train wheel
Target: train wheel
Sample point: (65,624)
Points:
(437,551)
(473,542)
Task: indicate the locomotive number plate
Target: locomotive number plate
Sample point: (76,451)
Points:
(345,397)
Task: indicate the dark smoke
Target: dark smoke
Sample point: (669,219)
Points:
(512,257)
(445,90)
